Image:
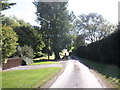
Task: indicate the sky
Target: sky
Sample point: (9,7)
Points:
(25,9)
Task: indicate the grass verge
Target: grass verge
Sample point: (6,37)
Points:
(109,72)
(34,78)
(44,62)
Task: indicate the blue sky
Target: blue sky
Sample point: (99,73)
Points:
(24,9)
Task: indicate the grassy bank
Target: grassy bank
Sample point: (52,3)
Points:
(28,78)
(109,72)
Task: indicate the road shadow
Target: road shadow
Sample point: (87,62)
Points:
(108,70)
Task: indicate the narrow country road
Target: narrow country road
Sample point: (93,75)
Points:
(76,75)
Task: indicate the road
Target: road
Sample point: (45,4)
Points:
(76,75)
(28,67)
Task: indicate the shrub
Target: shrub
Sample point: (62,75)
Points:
(26,52)
(26,61)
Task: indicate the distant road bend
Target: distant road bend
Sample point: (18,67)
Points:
(76,75)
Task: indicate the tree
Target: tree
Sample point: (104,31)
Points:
(28,35)
(106,50)
(79,41)
(93,26)
(14,22)
(9,42)
(11,21)
(3,6)
(55,26)
(73,20)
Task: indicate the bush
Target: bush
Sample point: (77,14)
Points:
(26,52)
(26,61)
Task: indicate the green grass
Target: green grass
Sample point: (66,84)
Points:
(50,57)
(45,57)
(44,62)
(28,78)
(108,72)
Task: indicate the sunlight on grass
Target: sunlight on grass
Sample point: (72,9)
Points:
(28,78)
(51,57)
(44,62)
(45,57)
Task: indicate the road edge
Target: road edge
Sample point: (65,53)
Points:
(101,80)
(52,80)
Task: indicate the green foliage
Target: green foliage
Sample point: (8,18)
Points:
(79,41)
(106,50)
(14,22)
(5,5)
(93,26)
(26,52)
(26,60)
(9,42)
(55,26)
(45,57)
(44,62)
(28,34)
(28,78)
(31,37)
(10,21)
(4,44)
(115,82)
(19,51)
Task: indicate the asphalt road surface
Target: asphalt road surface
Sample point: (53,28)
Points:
(28,67)
(76,75)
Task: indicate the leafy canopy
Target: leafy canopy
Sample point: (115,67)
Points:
(93,26)
(55,26)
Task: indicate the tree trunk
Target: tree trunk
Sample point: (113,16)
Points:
(57,56)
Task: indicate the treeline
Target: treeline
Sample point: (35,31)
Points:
(20,39)
(106,50)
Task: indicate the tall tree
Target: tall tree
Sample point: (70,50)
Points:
(94,26)
(54,21)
